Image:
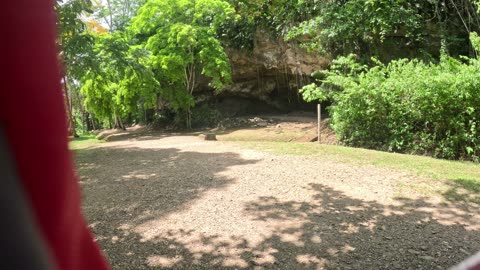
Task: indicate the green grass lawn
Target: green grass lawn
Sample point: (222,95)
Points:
(457,180)
(84,141)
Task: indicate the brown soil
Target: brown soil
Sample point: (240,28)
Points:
(164,201)
(296,127)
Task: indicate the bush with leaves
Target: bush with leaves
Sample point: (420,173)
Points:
(406,106)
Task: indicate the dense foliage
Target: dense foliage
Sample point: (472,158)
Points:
(128,61)
(120,82)
(128,57)
(181,37)
(359,25)
(406,106)
(384,28)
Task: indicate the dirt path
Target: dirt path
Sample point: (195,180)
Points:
(182,203)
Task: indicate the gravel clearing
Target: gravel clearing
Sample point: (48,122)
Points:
(177,202)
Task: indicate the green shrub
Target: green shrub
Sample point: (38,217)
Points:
(408,106)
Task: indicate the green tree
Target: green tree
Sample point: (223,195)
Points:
(395,28)
(74,44)
(358,25)
(182,37)
(121,82)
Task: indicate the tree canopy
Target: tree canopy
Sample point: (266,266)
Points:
(129,56)
(128,61)
(181,37)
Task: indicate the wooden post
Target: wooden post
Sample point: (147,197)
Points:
(319,113)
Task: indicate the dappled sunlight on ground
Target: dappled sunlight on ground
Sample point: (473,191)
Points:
(183,203)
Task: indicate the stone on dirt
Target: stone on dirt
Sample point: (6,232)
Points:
(209,136)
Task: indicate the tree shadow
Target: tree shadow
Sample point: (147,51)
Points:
(345,233)
(124,187)
(160,180)
(463,190)
(330,230)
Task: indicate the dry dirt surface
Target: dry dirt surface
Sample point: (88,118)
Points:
(291,127)
(178,202)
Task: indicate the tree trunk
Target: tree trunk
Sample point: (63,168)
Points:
(88,122)
(118,122)
(122,126)
(189,118)
(70,120)
(92,118)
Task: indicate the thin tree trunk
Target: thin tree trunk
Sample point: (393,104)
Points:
(70,120)
(122,126)
(118,121)
(88,122)
(189,118)
(190,86)
(110,15)
(92,118)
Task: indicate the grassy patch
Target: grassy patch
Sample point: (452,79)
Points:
(456,180)
(269,134)
(84,141)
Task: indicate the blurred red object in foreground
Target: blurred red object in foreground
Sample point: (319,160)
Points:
(33,125)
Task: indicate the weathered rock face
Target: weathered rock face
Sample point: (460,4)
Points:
(274,56)
(273,72)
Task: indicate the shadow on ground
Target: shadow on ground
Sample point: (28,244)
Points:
(327,231)
(135,184)
(336,232)
(463,190)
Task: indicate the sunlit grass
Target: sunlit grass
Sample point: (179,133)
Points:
(460,180)
(435,168)
(84,141)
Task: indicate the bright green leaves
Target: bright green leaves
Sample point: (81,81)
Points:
(75,42)
(182,38)
(343,73)
(475,40)
(214,61)
(183,35)
(357,25)
(312,92)
(153,15)
(406,106)
(156,14)
(122,81)
(213,13)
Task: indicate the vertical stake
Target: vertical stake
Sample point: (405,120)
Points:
(319,114)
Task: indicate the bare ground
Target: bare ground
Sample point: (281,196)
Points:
(171,201)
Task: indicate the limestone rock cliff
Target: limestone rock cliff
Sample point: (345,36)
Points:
(272,72)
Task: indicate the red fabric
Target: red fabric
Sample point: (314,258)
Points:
(33,117)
